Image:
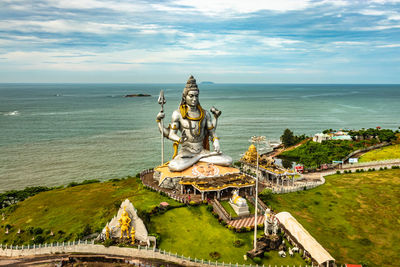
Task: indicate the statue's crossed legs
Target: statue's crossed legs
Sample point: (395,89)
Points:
(184,160)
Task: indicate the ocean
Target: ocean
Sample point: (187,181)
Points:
(53,134)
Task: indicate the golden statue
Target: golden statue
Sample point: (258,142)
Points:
(133,235)
(107,232)
(124,223)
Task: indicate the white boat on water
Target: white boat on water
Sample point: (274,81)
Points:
(12,113)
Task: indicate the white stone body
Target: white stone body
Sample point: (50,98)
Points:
(239,204)
(268,223)
(141,233)
(195,126)
(275,226)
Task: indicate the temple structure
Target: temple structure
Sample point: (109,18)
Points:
(268,171)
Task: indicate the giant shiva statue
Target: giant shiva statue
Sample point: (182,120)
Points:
(197,127)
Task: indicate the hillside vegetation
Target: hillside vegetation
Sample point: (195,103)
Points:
(312,154)
(354,216)
(73,212)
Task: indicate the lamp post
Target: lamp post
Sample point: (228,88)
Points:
(257,140)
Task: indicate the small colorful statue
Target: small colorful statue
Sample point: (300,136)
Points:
(124,223)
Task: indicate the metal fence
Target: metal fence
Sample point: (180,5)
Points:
(299,186)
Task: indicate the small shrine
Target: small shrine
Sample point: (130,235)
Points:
(126,227)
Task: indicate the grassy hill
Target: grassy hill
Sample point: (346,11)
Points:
(388,152)
(354,216)
(193,231)
(71,213)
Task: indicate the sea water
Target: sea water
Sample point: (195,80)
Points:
(53,134)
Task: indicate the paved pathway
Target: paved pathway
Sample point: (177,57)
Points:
(246,222)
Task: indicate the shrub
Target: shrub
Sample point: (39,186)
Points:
(72,184)
(223,223)
(210,208)
(266,255)
(215,255)
(365,241)
(337,172)
(248,228)
(61,232)
(238,243)
(257,260)
(37,231)
(385,168)
(108,242)
(87,230)
(362,170)
(38,239)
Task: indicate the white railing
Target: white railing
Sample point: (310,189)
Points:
(372,163)
(140,252)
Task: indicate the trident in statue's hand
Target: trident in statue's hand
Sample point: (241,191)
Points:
(160,117)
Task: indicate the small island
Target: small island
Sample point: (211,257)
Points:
(207,82)
(137,95)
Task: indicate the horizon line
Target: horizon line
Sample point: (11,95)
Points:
(208,83)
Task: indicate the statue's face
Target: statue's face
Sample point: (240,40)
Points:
(192,98)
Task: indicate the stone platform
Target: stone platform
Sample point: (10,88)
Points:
(200,170)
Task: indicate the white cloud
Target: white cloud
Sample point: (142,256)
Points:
(389,14)
(389,46)
(73,26)
(378,27)
(384,1)
(123,6)
(104,61)
(347,43)
(228,8)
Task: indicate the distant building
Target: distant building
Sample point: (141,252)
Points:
(339,135)
(342,137)
(319,137)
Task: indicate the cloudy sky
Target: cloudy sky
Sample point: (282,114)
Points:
(232,41)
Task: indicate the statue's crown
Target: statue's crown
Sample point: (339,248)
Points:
(190,85)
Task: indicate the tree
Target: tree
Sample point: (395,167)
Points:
(288,138)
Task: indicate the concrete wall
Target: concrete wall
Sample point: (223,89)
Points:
(98,249)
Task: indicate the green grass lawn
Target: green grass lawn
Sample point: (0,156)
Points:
(356,217)
(70,209)
(388,152)
(194,232)
(229,208)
